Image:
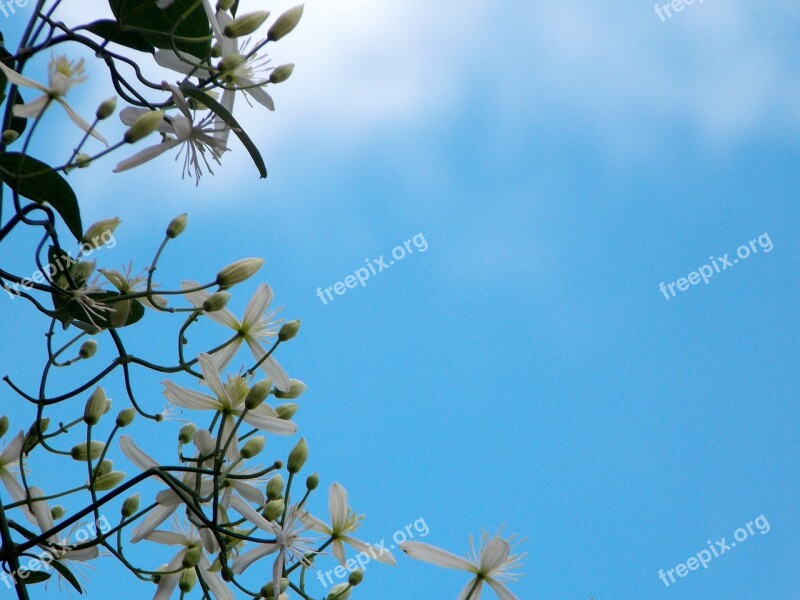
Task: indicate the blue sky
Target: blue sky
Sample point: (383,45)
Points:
(561,160)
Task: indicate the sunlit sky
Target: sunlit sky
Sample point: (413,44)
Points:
(561,160)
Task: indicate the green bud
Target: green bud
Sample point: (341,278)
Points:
(297,457)
(187,580)
(340,591)
(289,330)
(312,482)
(3,425)
(246,24)
(240,271)
(216,301)
(253,446)
(10,136)
(108,482)
(82,160)
(274,509)
(130,507)
(83,270)
(177,225)
(57,512)
(225,4)
(287,411)
(186,434)
(104,468)
(192,557)
(97,234)
(126,417)
(285,23)
(275,488)
(268,591)
(144,126)
(257,394)
(32,436)
(88,349)
(281,73)
(106,108)
(95,407)
(356,577)
(84,451)
(296,389)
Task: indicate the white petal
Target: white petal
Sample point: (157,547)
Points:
(262,97)
(31,110)
(475,595)
(21,80)
(315,524)
(146,155)
(494,555)
(245,560)
(270,366)
(135,454)
(261,419)
(502,591)
(224,355)
(339,507)
(167,585)
(232,453)
(17,493)
(213,379)
(436,556)
(179,100)
(257,306)
(248,513)
(168,538)
(383,556)
(10,454)
(247,491)
(223,317)
(156,517)
(214,582)
(78,120)
(41,509)
(189,399)
(83,554)
(204,442)
(169,60)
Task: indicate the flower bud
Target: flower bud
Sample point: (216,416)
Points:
(225,4)
(106,108)
(88,349)
(296,389)
(84,451)
(192,557)
(104,468)
(57,512)
(32,437)
(289,330)
(297,457)
(177,225)
(82,160)
(274,509)
(285,23)
(121,311)
(268,591)
(187,580)
(281,73)
(216,301)
(130,507)
(287,411)
(253,447)
(83,270)
(126,417)
(246,24)
(10,136)
(312,482)
(144,126)
(109,481)
(275,488)
(186,434)
(257,394)
(95,407)
(98,232)
(240,271)
(356,577)
(3,425)
(340,591)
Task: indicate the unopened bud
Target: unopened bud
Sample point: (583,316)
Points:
(225,4)
(95,407)
(216,301)
(238,272)
(297,457)
(281,73)
(82,160)
(268,591)
(275,488)
(187,580)
(104,468)
(88,349)
(186,434)
(356,577)
(57,512)
(192,557)
(126,417)
(83,270)
(130,507)
(3,425)
(274,509)
(285,23)
(177,225)
(257,394)
(246,24)
(296,389)
(84,451)
(289,330)
(340,591)
(99,233)
(144,126)
(109,481)
(253,447)
(10,136)
(287,411)
(106,108)
(312,482)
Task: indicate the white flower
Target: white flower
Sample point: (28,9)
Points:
(288,543)
(9,468)
(63,76)
(256,325)
(246,488)
(187,540)
(343,522)
(127,283)
(194,139)
(229,400)
(491,563)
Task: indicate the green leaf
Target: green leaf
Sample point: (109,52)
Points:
(193,91)
(36,577)
(113,32)
(67,574)
(39,182)
(186,19)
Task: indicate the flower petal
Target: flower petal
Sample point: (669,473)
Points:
(248,558)
(260,96)
(213,379)
(257,306)
(436,556)
(78,120)
(261,419)
(146,155)
(21,80)
(248,513)
(223,317)
(82,555)
(502,591)
(383,556)
(189,399)
(247,491)
(135,454)
(471,592)
(270,366)
(169,60)
(214,581)
(494,555)
(31,110)
(168,538)
(17,493)
(156,517)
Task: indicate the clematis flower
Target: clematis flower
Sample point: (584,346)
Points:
(127,283)
(288,541)
(63,76)
(194,138)
(246,488)
(9,469)
(343,522)
(490,564)
(257,324)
